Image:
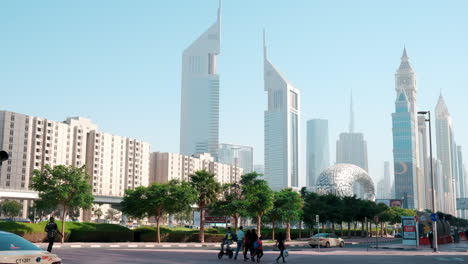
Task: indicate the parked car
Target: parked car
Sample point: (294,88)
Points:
(15,249)
(22,220)
(398,235)
(326,240)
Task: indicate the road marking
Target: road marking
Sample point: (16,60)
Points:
(182,245)
(449,259)
(57,246)
(133,246)
(95,246)
(114,246)
(149,246)
(198,245)
(75,246)
(166,246)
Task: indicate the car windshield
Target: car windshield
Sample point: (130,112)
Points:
(13,242)
(321,235)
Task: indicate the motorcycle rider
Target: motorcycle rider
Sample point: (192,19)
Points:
(227,239)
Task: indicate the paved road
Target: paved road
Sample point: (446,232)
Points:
(329,256)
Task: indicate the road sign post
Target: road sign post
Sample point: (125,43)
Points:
(317,219)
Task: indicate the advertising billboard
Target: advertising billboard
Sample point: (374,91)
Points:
(410,231)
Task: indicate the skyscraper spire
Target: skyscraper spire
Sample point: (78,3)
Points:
(351,114)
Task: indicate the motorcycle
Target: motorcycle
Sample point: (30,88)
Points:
(228,252)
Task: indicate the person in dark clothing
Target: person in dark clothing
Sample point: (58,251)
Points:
(253,239)
(281,246)
(430,235)
(51,229)
(246,244)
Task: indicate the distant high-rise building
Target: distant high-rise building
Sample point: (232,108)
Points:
(461,181)
(236,155)
(438,183)
(282,126)
(384,186)
(259,168)
(445,153)
(318,150)
(425,188)
(351,147)
(408,176)
(199,118)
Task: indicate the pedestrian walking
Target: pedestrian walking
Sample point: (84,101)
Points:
(281,246)
(259,249)
(51,229)
(246,244)
(430,235)
(240,240)
(253,239)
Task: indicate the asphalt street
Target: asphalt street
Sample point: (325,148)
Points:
(328,256)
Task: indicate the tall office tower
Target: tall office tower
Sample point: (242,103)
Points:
(116,163)
(425,188)
(318,150)
(281,128)
(387,181)
(461,183)
(444,137)
(351,147)
(236,155)
(438,183)
(404,154)
(408,175)
(170,166)
(199,117)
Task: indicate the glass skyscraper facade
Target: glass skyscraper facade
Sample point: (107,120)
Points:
(318,149)
(236,155)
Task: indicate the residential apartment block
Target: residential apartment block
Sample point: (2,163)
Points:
(170,166)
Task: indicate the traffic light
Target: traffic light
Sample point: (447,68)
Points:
(3,156)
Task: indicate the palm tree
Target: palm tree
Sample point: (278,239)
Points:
(208,189)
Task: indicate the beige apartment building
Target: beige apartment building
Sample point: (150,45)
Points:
(170,166)
(115,163)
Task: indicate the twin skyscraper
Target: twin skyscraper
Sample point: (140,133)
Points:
(199,127)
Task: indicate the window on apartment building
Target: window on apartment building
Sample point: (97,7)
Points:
(11,139)
(47,158)
(49,124)
(49,131)
(38,136)
(79,131)
(8,176)
(38,157)
(47,151)
(48,138)
(38,143)
(12,117)
(48,145)
(12,125)
(11,132)
(39,129)
(10,147)
(78,163)
(7,184)
(37,164)
(24,156)
(22,185)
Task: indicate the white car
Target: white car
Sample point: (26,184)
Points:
(326,240)
(15,249)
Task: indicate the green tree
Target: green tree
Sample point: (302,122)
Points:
(10,208)
(112,214)
(208,190)
(312,207)
(290,207)
(258,197)
(231,204)
(64,187)
(350,211)
(158,200)
(275,215)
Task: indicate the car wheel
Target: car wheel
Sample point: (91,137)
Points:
(342,244)
(327,245)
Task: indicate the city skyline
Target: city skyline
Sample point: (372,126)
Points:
(52,89)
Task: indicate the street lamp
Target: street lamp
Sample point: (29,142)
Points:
(434,223)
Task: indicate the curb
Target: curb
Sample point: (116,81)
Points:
(156,246)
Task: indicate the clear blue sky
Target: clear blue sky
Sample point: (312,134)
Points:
(118,63)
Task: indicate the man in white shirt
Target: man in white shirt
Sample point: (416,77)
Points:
(240,240)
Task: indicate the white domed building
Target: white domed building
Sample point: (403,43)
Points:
(346,180)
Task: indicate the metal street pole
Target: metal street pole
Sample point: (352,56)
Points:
(434,224)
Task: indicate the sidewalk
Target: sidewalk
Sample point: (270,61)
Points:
(452,247)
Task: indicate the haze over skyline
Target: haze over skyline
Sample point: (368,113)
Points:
(119,63)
